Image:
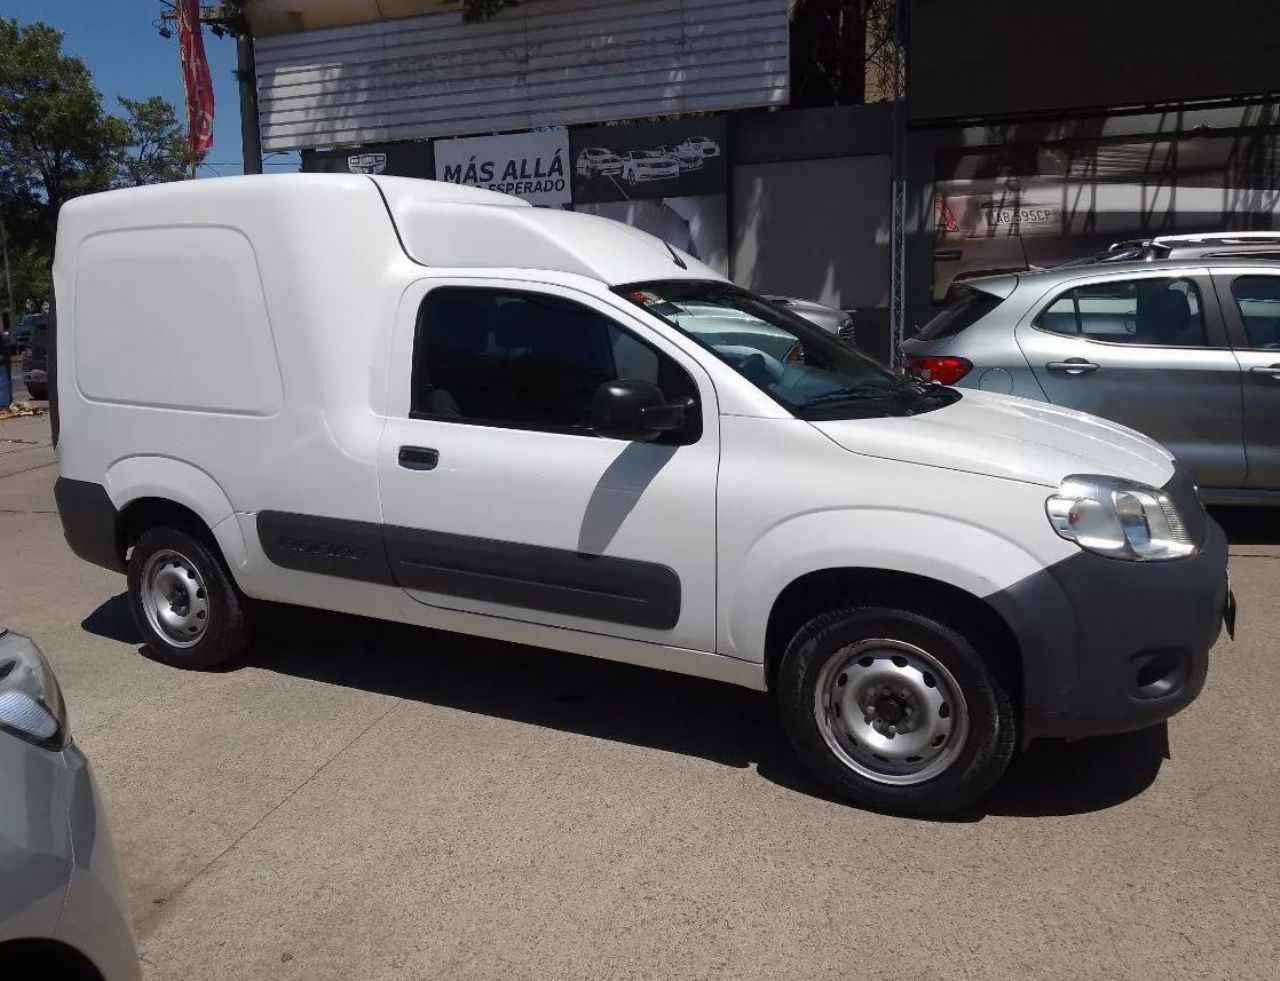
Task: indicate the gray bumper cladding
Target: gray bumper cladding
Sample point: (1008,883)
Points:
(1109,645)
(90,522)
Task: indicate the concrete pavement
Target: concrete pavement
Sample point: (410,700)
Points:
(360,800)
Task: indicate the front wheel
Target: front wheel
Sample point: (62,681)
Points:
(896,710)
(184,601)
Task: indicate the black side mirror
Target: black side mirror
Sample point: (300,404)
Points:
(634,410)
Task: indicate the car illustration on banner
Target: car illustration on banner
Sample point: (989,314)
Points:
(367,163)
(648,165)
(596,161)
(686,157)
(703,145)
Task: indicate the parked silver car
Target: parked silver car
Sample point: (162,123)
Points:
(1185,351)
(830,319)
(62,908)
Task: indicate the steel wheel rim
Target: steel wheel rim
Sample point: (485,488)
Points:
(891,712)
(174,598)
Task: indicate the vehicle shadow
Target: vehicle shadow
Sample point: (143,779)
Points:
(1249,525)
(606,700)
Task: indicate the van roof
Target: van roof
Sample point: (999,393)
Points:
(438,224)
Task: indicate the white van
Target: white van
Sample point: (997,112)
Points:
(437,405)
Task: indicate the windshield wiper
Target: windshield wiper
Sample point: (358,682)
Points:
(851,395)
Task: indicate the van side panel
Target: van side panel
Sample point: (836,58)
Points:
(174,318)
(225,350)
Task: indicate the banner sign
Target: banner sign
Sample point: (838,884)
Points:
(195,76)
(1020,206)
(408,159)
(683,158)
(533,166)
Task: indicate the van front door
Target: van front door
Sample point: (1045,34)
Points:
(498,498)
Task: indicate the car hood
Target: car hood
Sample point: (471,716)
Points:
(1012,438)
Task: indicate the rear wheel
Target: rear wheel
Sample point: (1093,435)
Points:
(189,610)
(896,710)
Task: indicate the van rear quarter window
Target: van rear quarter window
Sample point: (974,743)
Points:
(174,318)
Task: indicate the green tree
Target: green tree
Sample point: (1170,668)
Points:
(158,147)
(57,142)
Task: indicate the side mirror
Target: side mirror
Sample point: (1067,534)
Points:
(634,410)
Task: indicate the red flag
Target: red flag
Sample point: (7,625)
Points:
(195,76)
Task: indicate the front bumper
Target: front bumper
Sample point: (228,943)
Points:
(63,881)
(95,918)
(1109,645)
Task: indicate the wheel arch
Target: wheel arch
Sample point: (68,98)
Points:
(45,958)
(815,592)
(153,490)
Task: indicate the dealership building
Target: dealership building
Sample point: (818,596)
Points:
(1023,134)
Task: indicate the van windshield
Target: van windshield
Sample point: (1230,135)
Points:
(806,369)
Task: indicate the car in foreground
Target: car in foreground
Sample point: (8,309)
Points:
(1186,352)
(648,165)
(63,912)
(35,362)
(596,161)
(564,432)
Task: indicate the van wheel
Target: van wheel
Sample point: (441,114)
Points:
(190,612)
(895,710)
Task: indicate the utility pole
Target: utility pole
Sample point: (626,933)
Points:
(247,74)
(898,203)
(6,379)
(8,277)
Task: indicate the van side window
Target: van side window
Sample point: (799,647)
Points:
(525,360)
(1258,298)
(1159,312)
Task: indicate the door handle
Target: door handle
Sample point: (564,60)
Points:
(1273,370)
(1073,366)
(418,458)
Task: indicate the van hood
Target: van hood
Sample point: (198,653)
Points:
(1012,438)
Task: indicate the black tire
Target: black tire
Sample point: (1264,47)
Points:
(38,393)
(226,627)
(976,761)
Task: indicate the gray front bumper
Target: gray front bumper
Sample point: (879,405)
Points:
(59,878)
(1109,645)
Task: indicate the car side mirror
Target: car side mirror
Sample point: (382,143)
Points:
(634,410)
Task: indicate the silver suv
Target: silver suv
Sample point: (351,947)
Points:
(1185,351)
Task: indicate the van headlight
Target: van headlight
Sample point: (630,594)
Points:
(31,706)
(1118,518)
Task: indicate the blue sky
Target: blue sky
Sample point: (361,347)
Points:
(120,45)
